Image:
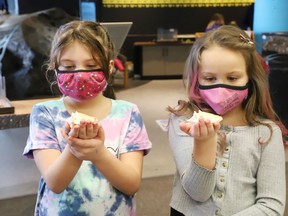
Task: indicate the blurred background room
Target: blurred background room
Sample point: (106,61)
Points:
(153,41)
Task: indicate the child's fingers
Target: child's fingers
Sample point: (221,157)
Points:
(86,129)
(89,129)
(64,133)
(101,133)
(201,128)
(96,127)
(185,127)
(216,126)
(67,127)
(75,131)
(209,127)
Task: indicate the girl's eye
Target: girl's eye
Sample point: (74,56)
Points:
(91,66)
(67,67)
(210,79)
(232,78)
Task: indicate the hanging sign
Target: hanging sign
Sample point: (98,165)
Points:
(175,3)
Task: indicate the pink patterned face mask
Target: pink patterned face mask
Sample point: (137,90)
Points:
(223,98)
(81,84)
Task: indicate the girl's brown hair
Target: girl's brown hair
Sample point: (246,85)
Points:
(94,37)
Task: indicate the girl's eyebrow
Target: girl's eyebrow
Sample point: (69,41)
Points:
(65,60)
(69,59)
(234,72)
(207,73)
(227,73)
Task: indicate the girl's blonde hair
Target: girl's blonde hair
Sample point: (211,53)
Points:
(94,37)
(258,104)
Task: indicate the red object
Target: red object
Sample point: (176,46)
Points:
(119,65)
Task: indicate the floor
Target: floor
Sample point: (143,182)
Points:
(152,199)
(155,192)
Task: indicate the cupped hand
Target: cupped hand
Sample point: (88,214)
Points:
(85,130)
(202,130)
(86,148)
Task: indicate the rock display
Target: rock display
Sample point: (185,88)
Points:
(23,64)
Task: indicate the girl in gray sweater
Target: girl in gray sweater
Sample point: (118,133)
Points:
(236,166)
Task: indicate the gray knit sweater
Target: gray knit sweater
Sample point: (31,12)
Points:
(248,180)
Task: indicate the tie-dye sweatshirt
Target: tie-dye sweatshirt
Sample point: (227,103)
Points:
(89,193)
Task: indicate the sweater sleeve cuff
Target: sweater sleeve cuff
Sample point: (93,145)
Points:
(198,181)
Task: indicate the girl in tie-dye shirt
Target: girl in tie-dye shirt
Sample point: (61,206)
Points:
(95,167)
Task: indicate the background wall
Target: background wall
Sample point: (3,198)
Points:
(185,20)
(29,6)
(147,20)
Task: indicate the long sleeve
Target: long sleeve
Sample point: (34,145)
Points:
(197,181)
(271,181)
(249,178)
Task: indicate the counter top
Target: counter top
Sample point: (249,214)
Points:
(20,118)
(163,43)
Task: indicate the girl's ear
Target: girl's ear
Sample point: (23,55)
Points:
(111,66)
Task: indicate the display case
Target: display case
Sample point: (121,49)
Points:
(274,42)
(161,59)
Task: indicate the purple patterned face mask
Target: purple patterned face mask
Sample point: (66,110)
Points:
(81,84)
(223,98)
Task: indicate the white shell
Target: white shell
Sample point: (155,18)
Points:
(76,118)
(212,117)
